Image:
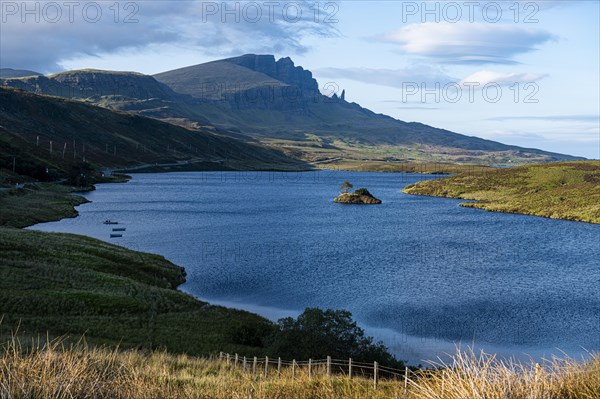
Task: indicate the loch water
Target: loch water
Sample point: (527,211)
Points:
(421,273)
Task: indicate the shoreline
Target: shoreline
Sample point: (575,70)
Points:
(561,191)
(205,328)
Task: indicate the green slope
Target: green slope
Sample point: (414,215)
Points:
(33,125)
(73,285)
(563,190)
(206,81)
(37,203)
(65,284)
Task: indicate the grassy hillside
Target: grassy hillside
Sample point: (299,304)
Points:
(125,91)
(433,168)
(48,136)
(564,190)
(337,153)
(69,284)
(54,372)
(206,82)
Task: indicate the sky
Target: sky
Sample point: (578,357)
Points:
(519,72)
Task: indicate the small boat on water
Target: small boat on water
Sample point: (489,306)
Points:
(119,229)
(116,235)
(108,221)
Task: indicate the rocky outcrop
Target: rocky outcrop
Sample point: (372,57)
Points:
(356,198)
(283,70)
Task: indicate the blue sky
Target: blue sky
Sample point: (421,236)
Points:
(538,61)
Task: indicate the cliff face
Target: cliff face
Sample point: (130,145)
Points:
(283,70)
(297,88)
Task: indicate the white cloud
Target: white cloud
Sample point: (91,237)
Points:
(419,74)
(465,42)
(503,79)
(551,118)
(49,37)
(580,135)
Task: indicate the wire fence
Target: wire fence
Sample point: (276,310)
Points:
(266,366)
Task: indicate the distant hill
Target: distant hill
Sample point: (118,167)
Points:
(125,91)
(279,104)
(92,83)
(206,81)
(48,132)
(16,73)
(277,99)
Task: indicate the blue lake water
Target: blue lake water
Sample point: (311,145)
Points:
(421,273)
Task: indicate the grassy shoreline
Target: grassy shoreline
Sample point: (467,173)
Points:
(561,190)
(66,284)
(38,203)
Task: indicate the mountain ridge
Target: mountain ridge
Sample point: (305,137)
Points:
(258,98)
(16,73)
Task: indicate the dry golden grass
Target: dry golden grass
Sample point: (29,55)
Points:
(54,371)
(483,376)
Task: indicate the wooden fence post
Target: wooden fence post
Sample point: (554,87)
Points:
(220,355)
(254,366)
(328,366)
(350,368)
(236,361)
(293,369)
(309,368)
(244,363)
(228,359)
(375,374)
(266,366)
(279,366)
(405,378)
(443,383)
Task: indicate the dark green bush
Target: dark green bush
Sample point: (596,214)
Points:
(320,333)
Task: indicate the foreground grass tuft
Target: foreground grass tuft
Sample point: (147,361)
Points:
(483,376)
(53,370)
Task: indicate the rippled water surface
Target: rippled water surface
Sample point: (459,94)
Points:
(421,273)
